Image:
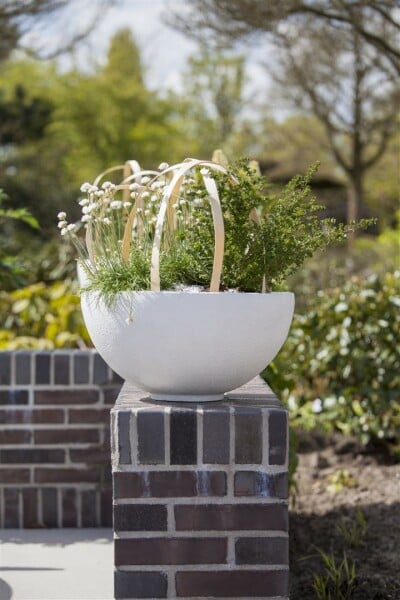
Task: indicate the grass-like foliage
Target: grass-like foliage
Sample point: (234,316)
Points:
(267,235)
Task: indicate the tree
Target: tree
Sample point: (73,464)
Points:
(374,21)
(350,87)
(17,17)
(213,99)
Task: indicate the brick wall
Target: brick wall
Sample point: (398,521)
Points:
(200,497)
(54,439)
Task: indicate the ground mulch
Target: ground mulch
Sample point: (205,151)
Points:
(318,511)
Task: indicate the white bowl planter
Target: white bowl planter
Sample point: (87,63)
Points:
(185,346)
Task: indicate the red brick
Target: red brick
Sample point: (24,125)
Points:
(66,436)
(15,436)
(169,484)
(26,416)
(67,396)
(60,475)
(217,517)
(236,584)
(89,415)
(171,551)
(14,475)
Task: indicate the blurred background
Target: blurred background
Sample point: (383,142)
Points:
(88,84)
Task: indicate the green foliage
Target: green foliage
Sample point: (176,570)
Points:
(354,532)
(260,249)
(12,271)
(340,480)
(344,357)
(339,579)
(42,317)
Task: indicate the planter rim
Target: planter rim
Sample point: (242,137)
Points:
(190,293)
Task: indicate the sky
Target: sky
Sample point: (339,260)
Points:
(164,50)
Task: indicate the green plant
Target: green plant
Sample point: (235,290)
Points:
(340,479)
(354,532)
(267,236)
(12,272)
(344,356)
(339,579)
(42,317)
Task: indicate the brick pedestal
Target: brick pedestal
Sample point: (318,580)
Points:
(200,496)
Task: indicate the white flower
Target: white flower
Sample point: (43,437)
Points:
(145,194)
(133,195)
(86,218)
(100,193)
(83,202)
(70,227)
(107,185)
(127,204)
(107,221)
(62,216)
(175,205)
(85,187)
(162,166)
(153,198)
(63,231)
(145,179)
(116,204)
(134,186)
(204,171)
(139,210)
(62,224)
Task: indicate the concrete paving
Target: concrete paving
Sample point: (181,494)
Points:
(56,564)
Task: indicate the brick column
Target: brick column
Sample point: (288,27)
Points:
(200,496)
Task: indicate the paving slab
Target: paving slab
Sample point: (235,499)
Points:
(56,564)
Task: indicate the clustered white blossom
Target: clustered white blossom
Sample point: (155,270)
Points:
(105,205)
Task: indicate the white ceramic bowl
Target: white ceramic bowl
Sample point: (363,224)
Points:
(188,346)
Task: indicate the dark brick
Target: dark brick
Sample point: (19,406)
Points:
(11,508)
(81,367)
(14,475)
(88,504)
(53,475)
(124,443)
(27,416)
(259,551)
(66,397)
(237,584)
(151,444)
(133,584)
(5,368)
(30,507)
(183,437)
(61,369)
(110,395)
(171,483)
(277,430)
(23,368)
(211,483)
(248,436)
(66,436)
(89,415)
(217,517)
(264,485)
(69,508)
(14,397)
(42,368)
(100,370)
(15,436)
(95,455)
(32,455)
(129,485)
(216,435)
(171,551)
(140,517)
(106,508)
(49,507)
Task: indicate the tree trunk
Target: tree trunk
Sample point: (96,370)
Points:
(354,200)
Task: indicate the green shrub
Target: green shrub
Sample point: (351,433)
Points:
(42,317)
(340,367)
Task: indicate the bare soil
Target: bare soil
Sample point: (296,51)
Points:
(318,512)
